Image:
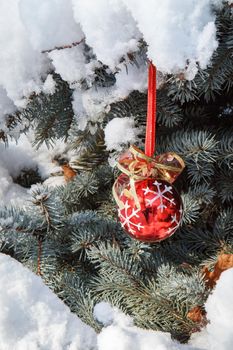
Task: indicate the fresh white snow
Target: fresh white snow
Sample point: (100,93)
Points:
(119,132)
(21,66)
(175,31)
(20,156)
(33,318)
(218,334)
(121,334)
(109,28)
(69,63)
(49,23)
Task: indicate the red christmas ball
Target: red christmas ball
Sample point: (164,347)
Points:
(155,214)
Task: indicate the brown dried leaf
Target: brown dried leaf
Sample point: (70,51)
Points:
(196,314)
(224,262)
(69,173)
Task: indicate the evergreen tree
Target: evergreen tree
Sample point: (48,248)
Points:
(70,234)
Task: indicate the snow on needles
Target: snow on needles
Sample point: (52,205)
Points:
(20,65)
(175,31)
(33,317)
(109,28)
(119,132)
(120,332)
(22,156)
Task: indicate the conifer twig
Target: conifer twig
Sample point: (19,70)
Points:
(39,257)
(76,43)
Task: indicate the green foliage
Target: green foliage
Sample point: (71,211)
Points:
(88,145)
(51,114)
(12,125)
(102,77)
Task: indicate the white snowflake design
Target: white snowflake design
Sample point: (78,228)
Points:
(126,217)
(159,195)
(176,221)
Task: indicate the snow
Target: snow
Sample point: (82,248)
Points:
(49,23)
(17,157)
(10,193)
(130,337)
(6,104)
(33,317)
(218,334)
(206,44)
(33,33)
(6,107)
(120,131)
(120,332)
(104,313)
(191,70)
(21,67)
(69,63)
(175,31)
(109,28)
(49,86)
(134,78)
(92,104)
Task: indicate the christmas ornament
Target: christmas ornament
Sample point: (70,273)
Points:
(150,208)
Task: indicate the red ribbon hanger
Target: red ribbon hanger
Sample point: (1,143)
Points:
(151,112)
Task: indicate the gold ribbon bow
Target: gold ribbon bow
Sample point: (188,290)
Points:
(136,166)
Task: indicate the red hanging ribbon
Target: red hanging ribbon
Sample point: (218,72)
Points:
(151,112)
